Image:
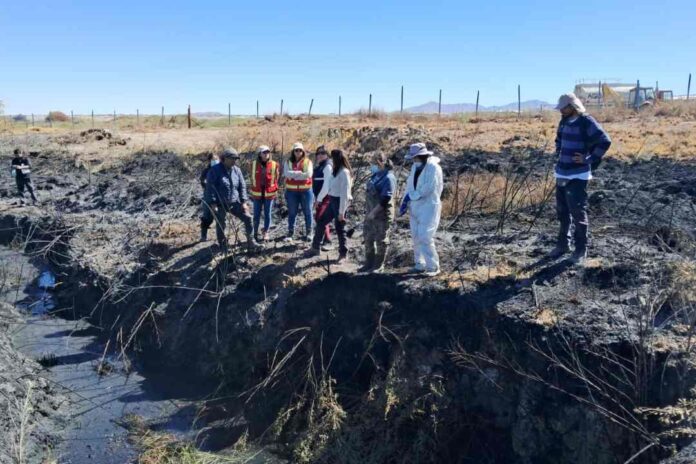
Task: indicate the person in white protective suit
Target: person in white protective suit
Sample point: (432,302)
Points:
(424,187)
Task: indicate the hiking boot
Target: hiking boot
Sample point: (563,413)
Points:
(367,267)
(557,252)
(342,257)
(432,273)
(579,258)
(326,247)
(307,238)
(204,236)
(378,270)
(312,252)
(265,237)
(288,239)
(253,245)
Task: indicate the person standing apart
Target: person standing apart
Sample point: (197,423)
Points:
(263,189)
(320,181)
(297,171)
(379,212)
(206,211)
(21,169)
(226,193)
(424,188)
(339,194)
(581,142)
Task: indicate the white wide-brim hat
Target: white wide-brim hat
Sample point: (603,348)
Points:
(572,100)
(418,149)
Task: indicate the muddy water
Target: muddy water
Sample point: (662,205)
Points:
(94,404)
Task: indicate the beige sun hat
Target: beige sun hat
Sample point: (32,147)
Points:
(297,146)
(262,149)
(572,100)
(418,149)
(230,152)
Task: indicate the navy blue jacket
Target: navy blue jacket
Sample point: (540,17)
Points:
(225,187)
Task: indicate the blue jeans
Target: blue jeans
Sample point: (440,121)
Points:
(295,200)
(267,206)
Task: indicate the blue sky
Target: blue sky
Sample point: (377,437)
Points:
(80,55)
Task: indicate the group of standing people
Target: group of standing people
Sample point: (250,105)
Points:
(323,191)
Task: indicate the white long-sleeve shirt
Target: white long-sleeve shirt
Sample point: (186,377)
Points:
(297,175)
(339,186)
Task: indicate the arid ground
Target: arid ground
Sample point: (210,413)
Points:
(504,357)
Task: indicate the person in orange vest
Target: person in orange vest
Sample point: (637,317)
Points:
(298,171)
(263,188)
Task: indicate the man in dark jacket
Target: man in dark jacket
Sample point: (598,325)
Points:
(581,142)
(225,192)
(21,169)
(206,214)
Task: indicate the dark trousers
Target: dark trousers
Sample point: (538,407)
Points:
(571,206)
(24,182)
(331,214)
(218,214)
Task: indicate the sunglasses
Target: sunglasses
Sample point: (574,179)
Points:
(265,152)
(298,150)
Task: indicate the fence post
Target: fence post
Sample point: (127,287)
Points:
(635,98)
(229,114)
(72,118)
(477,101)
(32,119)
(519,101)
(599,94)
(439,104)
(369,107)
(257,109)
(137,118)
(402,99)
(339,106)
(688,88)
(162,119)
(310,107)
(188,116)
(92,119)
(281,107)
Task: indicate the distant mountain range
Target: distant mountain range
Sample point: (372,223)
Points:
(450,108)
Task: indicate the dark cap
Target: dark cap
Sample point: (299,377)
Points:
(230,153)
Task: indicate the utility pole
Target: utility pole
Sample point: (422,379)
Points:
(229,114)
(310,107)
(189,116)
(339,106)
(439,104)
(369,107)
(519,101)
(281,107)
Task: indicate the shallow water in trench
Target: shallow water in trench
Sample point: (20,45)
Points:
(94,404)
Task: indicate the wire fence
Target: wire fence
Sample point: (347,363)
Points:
(189,119)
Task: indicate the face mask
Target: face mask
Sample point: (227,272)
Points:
(374,169)
(214,162)
(418,164)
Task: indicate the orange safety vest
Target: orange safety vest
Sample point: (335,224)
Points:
(258,172)
(299,185)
